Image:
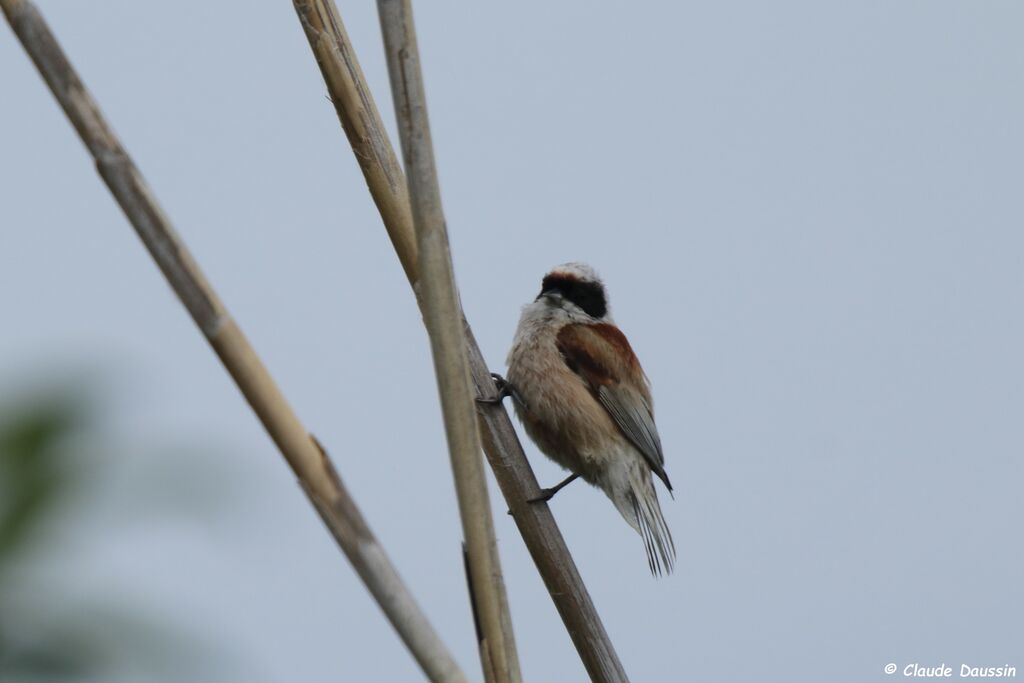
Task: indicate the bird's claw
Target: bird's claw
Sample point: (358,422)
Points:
(545,495)
(549,493)
(505,388)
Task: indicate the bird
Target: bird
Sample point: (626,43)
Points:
(583,398)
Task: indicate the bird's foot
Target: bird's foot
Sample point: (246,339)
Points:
(548,494)
(505,388)
(545,496)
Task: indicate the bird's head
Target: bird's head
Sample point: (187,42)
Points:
(575,287)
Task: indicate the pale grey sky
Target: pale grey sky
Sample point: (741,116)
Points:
(809,216)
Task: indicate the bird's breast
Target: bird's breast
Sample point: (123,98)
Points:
(561,414)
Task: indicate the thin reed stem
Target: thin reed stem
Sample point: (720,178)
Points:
(442,316)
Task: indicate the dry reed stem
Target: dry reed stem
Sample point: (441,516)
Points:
(310,463)
(362,124)
(442,316)
(355,106)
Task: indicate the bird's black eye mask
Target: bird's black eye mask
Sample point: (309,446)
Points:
(589,296)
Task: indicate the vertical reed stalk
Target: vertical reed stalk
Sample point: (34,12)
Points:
(442,315)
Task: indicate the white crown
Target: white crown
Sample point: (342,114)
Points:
(580,271)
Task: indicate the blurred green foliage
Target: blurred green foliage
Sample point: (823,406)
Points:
(46,634)
(33,475)
(35,481)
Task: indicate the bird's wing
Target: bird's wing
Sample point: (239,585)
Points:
(601,355)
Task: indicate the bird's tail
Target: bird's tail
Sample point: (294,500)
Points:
(641,509)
